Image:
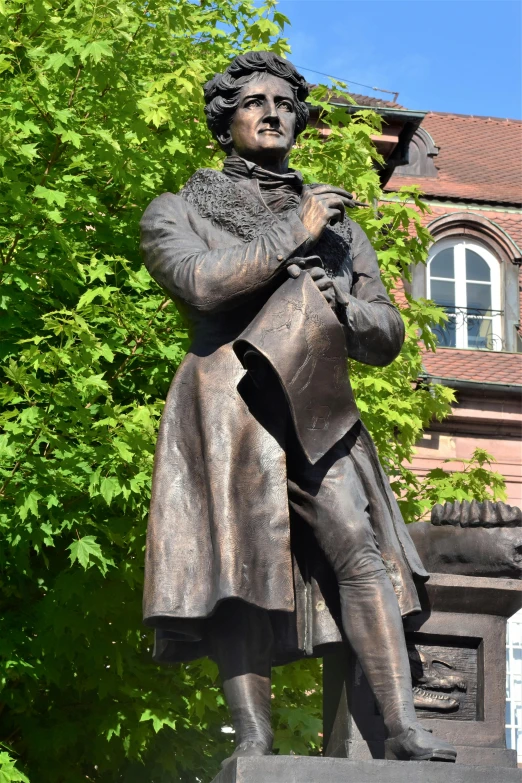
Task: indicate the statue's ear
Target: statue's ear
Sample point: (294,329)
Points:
(225,140)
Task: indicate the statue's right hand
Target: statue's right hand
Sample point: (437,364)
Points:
(296,264)
(323,205)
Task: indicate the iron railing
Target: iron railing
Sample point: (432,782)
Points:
(480,326)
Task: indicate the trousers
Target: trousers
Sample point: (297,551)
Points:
(330,498)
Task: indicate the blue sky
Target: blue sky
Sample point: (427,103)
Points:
(460,56)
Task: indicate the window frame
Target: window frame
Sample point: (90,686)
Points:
(460,244)
(513,684)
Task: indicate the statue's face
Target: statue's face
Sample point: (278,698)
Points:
(263,125)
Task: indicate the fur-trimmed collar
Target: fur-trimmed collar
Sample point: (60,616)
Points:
(234,208)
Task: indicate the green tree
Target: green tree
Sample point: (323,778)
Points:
(101,110)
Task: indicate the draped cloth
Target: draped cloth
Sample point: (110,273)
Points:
(299,337)
(220,525)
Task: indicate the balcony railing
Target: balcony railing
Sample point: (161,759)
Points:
(471,327)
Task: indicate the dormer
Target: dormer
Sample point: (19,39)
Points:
(421,153)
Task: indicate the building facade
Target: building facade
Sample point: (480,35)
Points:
(470,169)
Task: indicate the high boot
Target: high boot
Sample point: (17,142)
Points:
(373,625)
(248,697)
(242,646)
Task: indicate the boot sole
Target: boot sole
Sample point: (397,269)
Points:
(435,756)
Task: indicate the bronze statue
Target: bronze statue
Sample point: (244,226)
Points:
(273,531)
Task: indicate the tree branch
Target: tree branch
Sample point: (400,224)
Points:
(139,341)
(71,96)
(19,462)
(40,111)
(11,250)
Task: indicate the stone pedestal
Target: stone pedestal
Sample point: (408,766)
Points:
(301,769)
(462,626)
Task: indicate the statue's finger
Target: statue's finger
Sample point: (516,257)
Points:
(316,272)
(325,284)
(320,189)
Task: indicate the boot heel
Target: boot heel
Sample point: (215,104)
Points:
(389,754)
(418,744)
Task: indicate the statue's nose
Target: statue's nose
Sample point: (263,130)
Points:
(271,112)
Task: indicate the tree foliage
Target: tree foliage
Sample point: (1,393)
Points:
(101,110)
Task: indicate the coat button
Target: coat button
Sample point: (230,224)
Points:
(279,257)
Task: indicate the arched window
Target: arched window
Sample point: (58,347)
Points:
(464,278)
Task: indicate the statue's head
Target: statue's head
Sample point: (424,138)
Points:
(257,108)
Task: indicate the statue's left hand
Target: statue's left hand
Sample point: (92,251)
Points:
(325,284)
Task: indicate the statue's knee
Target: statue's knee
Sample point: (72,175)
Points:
(358,552)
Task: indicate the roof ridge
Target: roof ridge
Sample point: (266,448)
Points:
(476,351)
(475,116)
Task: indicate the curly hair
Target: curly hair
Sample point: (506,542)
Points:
(222,92)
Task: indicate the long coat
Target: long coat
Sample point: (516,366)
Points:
(219,524)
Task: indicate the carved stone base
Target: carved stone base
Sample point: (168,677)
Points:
(301,769)
(458,644)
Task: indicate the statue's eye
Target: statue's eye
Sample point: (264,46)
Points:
(286,105)
(252,102)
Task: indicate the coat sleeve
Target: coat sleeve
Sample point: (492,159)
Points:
(373,326)
(210,280)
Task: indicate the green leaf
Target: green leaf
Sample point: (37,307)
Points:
(104,292)
(157,721)
(30,504)
(72,136)
(82,550)
(29,151)
(96,50)
(109,487)
(51,196)
(106,352)
(86,550)
(5,63)
(8,771)
(125,453)
(56,60)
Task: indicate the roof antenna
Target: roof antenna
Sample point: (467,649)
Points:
(350,81)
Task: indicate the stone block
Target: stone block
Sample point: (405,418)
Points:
(302,769)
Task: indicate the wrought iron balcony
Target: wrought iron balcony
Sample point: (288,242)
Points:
(471,327)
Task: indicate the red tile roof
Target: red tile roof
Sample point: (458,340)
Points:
(472,365)
(480,159)
(510,223)
(367,100)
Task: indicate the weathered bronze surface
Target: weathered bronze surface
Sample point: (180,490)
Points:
(273,531)
(471,539)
